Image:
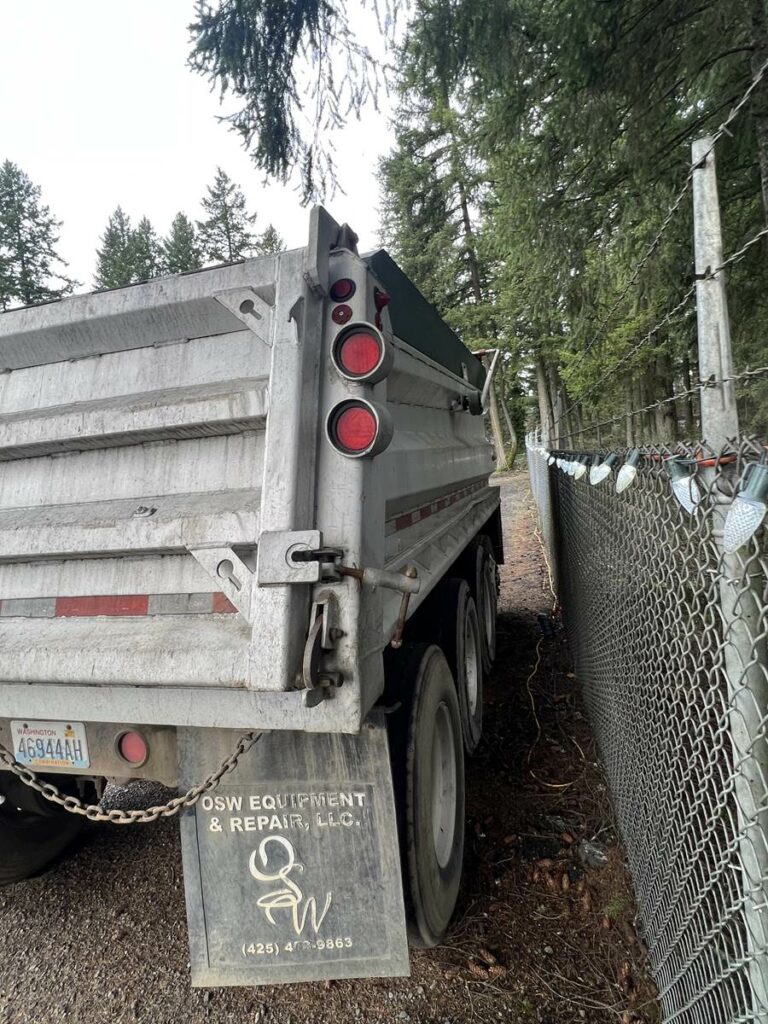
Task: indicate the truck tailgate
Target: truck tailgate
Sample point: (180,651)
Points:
(132,430)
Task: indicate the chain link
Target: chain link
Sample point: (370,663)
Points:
(667,630)
(116,816)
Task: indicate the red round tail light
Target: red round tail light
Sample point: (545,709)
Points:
(343,289)
(360,353)
(357,428)
(132,747)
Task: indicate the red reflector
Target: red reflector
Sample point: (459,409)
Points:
(359,353)
(132,748)
(341,314)
(355,428)
(342,289)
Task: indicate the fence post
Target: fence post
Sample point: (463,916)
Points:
(744,655)
(719,416)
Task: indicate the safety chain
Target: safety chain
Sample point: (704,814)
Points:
(135,817)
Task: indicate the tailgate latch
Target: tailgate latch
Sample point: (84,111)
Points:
(292,556)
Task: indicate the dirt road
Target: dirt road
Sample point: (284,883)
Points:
(539,936)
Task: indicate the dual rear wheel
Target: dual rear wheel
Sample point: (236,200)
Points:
(435,682)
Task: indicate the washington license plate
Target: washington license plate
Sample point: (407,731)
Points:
(50,744)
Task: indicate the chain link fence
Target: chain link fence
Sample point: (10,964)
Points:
(668,632)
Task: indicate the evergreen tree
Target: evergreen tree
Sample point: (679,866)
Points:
(146,252)
(225,234)
(253,50)
(115,259)
(28,239)
(270,242)
(181,251)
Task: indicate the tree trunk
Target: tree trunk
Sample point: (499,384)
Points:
(466,223)
(474,269)
(557,404)
(689,425)
(666,415)
(496,432)
(630,423)
(512,453)
(760,95)
(546,414)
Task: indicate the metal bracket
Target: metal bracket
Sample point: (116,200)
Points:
(231,574)
(323,231)
(275,557)
(249,307)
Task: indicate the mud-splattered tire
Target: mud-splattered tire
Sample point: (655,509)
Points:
(485,593)
(30,839)
(450,620)
(428,769)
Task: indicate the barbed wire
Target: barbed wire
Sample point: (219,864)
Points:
(635,348)
(740,253)
(734,257)
(716,136)
(695,389)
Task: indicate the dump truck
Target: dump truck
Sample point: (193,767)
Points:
(248,550)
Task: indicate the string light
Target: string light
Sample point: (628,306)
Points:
(748,509)
(602,469)
(628,472)
(581,468)
(684,486)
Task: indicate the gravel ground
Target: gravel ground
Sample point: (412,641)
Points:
(539,935)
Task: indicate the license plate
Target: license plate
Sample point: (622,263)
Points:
(50,744)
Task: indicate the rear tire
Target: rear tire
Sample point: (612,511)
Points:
(450,620)
(33,832)
(485,593)
(428,770)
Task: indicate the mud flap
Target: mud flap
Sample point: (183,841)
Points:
(292,867)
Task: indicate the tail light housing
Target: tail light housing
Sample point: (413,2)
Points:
(360,353)
(357,428)
(132,748)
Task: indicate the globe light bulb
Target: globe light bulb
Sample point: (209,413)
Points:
(602,470)
(748,509)
(628,472)
(684,486)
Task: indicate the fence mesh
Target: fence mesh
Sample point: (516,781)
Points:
(668,633)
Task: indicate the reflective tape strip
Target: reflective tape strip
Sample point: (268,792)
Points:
(109,604)
(117,604)
(405,519)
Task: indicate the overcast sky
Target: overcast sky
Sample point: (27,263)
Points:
(98,107)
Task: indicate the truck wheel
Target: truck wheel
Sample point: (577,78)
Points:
(450,620)
(33,832)
(486,597)
(428,770)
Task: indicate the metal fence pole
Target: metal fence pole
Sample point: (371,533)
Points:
(744,650)
(719,417)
